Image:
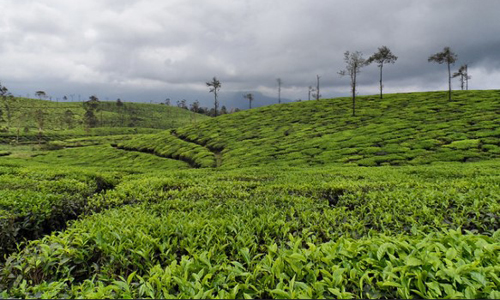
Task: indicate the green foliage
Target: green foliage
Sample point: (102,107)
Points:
(67,118)
(105,156)
(290,213)
(422,231)
(35,202)
(401,129)
(168,145)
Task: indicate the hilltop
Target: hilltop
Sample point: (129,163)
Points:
(410,128)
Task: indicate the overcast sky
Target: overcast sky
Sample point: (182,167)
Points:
(148,50)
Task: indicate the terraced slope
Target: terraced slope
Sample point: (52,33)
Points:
(413,128)
(112,119)
(168,145)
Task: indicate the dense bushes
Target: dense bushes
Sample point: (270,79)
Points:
(167,145)
(391,131)
(35,202)
(425,231)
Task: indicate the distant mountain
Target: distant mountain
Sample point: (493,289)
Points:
(236,100)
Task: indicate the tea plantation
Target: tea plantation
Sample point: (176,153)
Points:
(401,129)
(297,200)
(65,120)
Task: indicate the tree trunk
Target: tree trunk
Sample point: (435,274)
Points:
(317,87)
(449,82)
(354,95)
(215,95)
(381,66)
(279,92)
(466,78)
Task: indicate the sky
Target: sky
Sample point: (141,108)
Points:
(150,50)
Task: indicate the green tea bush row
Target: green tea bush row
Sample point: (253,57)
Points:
(34,202)
(104,156)
(412,231)
(166,145)
(132,253)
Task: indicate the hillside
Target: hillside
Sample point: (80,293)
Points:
(61,120)
(93,217)
(412,128)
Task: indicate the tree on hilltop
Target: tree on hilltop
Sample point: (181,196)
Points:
(249,97)
(464,76)
(446,56)
(195,106)
(182,104)
(383,56)
(41,94)
(223,110)
(214,86)
(354,62)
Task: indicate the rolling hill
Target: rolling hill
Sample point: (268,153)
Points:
(61,120)
(274,202)
(401,129)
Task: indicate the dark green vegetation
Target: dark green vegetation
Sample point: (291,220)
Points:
(130,216)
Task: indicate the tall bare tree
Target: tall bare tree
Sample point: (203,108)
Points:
(383,56)
(354,62)
(280,82)
(214,86)
(446,56)
(249,97)
(464,77)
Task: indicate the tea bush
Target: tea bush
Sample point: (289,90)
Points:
(423,231)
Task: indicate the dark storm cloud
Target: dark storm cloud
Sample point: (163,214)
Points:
(149,50)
